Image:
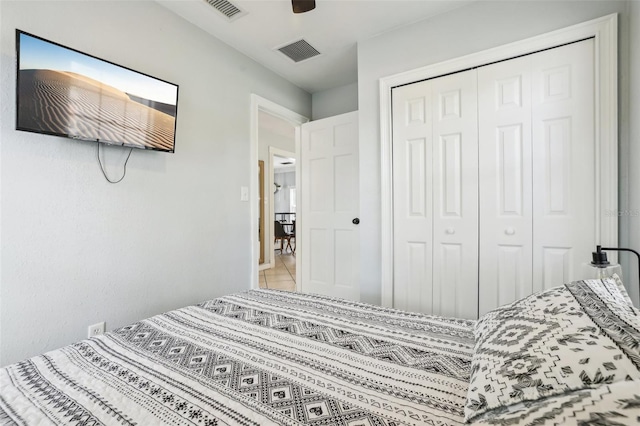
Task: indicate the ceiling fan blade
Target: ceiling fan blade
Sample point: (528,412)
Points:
(301,6)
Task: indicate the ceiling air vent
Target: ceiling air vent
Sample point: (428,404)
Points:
(299,50)
(228,9)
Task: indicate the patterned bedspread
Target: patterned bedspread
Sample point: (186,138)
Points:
(257,358)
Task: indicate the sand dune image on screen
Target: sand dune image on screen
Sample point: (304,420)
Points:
(72,104)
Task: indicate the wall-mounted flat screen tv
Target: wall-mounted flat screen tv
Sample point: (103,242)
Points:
(61,91)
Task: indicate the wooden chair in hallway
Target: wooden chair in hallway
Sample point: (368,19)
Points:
(292,236)
(282,235)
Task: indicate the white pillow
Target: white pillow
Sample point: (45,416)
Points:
(619,292)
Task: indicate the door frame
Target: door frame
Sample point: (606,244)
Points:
(258,103)
(261,210)
(605,32)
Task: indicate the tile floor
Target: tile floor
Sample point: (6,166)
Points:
(283,275)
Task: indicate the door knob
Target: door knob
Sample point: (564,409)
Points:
(355,221)
(450,231)
(509,231)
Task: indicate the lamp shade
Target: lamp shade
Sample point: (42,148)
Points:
(590,271)
(600,266)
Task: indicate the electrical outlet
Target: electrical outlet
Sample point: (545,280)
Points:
(97,329)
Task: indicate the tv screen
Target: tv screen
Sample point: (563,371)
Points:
(61,91)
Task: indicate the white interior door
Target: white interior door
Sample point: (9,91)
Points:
(329,238)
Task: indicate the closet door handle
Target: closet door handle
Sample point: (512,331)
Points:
(509,231)
(355,221)
(450,231)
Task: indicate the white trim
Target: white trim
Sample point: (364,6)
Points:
(605,31)
(281,153)
(299,218)
(259,103)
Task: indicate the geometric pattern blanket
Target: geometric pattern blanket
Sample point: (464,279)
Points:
(261,357)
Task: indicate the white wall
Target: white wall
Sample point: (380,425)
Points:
(274,132)
(77,250)
(282,199)
(478,26)
(338,100)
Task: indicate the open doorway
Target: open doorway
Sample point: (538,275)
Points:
(281,274)
(275,133)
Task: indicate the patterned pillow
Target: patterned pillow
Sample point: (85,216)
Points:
(577,336)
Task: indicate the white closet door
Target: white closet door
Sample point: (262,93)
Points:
(435,174)
(538,171)
(505,158)
(564,163)
(520,133)
(413,206)
(455,195)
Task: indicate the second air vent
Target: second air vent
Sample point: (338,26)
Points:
(299,50)
(228,9)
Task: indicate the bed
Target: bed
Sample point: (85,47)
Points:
(269,357)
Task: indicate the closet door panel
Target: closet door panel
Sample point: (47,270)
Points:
(564,163)
(413,207)
(455,195)
(505,167)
